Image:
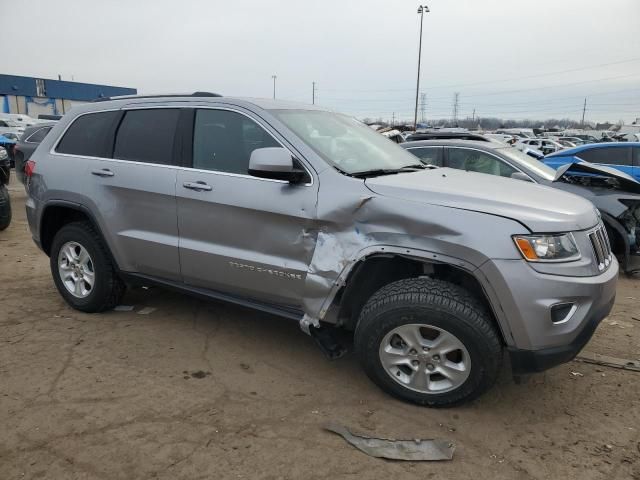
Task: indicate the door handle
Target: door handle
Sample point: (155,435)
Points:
(197,186)
(105,172)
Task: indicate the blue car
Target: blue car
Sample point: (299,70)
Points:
(624,156)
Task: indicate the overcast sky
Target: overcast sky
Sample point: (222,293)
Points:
(509,58)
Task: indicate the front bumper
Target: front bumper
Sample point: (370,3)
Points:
(522,300)
(532,361)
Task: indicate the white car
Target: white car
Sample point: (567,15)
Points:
(9,126)
(20,119)
(545,145)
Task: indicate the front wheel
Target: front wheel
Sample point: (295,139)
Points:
(5,207)
(428,342)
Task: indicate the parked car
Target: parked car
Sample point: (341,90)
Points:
(446,135)
(313,216)
(10,127)
(20,119)
(624,156)
(575,140)
(616,195)
(5,200)
(587,138)
(545,145)
(500,137)
(8,145)
(567,143)
(27,144)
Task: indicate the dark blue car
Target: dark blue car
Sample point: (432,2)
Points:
(624,156)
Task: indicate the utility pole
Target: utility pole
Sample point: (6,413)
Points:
(584,109)
(274,85)
(423,106)
(393,119)
(473,116)
(454,114)
(313,93)
(421,10)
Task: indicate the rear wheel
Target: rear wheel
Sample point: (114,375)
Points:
(429,342)
(82,269)
(5,207)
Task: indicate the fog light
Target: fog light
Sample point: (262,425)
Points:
(562,312)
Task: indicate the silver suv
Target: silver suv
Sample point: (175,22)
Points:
(313,216)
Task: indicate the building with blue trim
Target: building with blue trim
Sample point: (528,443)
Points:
(37,96)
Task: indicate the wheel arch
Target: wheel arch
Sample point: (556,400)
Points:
(618,238)
(57,214)
(373,271)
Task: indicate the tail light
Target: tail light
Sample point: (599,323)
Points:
(29,168)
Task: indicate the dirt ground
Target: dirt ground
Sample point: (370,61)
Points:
(198,389)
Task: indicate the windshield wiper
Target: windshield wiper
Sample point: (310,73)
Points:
(376,172)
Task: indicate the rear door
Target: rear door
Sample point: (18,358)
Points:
(610,156)
(128,176)
(241,234)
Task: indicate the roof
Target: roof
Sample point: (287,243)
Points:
(590,146)
(186,99)
(27,87)
(454,143)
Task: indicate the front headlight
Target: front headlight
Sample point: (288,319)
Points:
(547,248)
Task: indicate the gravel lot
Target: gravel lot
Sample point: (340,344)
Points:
(197,389)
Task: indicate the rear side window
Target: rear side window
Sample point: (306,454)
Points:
(90,135)
(147,135)
(38,135)
(223,141)
(636,156)
(428,155)
(607,155)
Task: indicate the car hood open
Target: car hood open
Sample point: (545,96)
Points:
(540,208)
(625,182)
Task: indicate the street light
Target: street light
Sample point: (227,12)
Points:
(422,9)
(274,85)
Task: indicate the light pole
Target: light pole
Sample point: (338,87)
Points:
(274,85)
(422,9)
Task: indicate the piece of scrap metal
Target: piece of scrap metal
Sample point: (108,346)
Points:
(412,450)
(606,361)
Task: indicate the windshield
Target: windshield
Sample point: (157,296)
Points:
(530,163)
(344,142)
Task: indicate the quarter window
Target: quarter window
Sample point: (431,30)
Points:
(477,161)
(90,135)
(223,141)
(147,135)
(607,155)
(38,135)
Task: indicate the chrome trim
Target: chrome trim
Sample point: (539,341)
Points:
(298,157)
(572,311)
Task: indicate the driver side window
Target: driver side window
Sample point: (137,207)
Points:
(477,161)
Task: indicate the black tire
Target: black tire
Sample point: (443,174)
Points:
(5,207)
(108,288)
(439,304)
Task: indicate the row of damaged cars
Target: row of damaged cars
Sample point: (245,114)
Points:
(601,173)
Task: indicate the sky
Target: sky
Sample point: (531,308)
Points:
(519,59)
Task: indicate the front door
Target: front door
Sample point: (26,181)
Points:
(241,234)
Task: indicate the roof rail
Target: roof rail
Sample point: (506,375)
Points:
(124,97)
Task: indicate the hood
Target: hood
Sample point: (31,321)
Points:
(621,180)
(540,208)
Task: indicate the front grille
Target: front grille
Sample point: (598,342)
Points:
(601,247)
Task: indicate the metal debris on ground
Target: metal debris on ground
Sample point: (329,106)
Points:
(606,361)
(146,310)
(412,450)
(577,374)
(123,308)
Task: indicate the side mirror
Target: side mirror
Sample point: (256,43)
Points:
(521,176)
(275,163)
